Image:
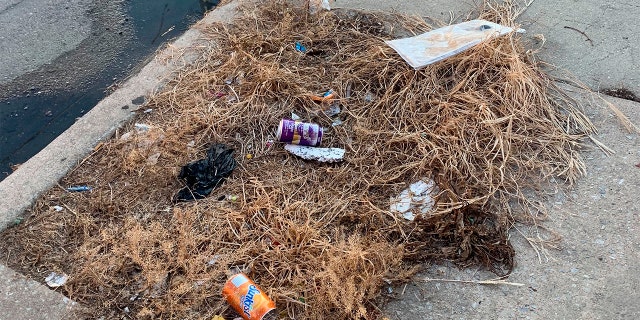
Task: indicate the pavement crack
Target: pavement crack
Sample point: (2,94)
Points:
(10,7)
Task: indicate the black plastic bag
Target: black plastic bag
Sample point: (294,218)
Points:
(206,174)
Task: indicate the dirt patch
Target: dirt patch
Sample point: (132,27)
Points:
(320,238)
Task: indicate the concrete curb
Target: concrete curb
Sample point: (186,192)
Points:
(42,171)
(21,298)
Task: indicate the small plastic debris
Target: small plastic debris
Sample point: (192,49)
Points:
(336,122)
(269,143)
(219,94)
(442,43)
(153,159)
(249,156)
(333,110)
(148,111)
(18,221)
(300,133)
(325,97)
(316,5)
(79,189)
(214,260)
(206,174)
(417,196)
(300,47)
(247,299)
(233,198)
(127,310)
(329,155)
(55,280)
(369,97)
(58,208)
(295,117)
(141,127)
(126,136)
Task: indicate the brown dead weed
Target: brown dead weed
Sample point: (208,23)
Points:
(485,125)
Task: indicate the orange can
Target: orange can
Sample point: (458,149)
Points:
(247,299)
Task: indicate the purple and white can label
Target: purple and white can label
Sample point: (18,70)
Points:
(301,133)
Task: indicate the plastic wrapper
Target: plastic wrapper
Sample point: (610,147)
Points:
(442,43)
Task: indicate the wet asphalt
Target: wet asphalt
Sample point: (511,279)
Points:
(58,58)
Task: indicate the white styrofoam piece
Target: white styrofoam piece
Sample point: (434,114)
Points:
(317,154)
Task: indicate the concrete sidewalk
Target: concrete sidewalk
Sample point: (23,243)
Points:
(594,275)
(21,298)
(597,43)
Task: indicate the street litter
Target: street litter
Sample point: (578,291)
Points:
(295,116)
(58,208)
(141,127)
(153,159)
(302,133)
(204,175)
(329,95)
(318,154)
(417,196)
(442,43)
(300,47)
(79,189)
(369,97)
(316,5)
(247,299)
(55,280)
(269,143)
(214,260)
(333,110)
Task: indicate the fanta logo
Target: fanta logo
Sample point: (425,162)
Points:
(247,301)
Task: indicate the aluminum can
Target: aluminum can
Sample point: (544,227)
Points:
(302,133)
(247,299)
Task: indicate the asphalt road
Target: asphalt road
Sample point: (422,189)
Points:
(59,57)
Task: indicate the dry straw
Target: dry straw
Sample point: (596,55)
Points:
(486,125)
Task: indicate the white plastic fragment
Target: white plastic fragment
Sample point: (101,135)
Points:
(442,43)
(58,208)
(55,280)
(126,136)
(317,154)
(141,127)
(315,5)
(153,159)
(294,116)
(416,197)
(214,260)
(333,110)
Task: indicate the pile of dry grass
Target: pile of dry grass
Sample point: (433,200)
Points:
(485,125)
